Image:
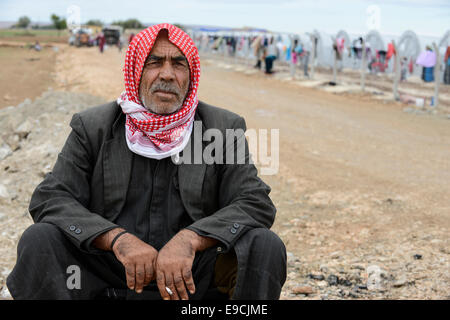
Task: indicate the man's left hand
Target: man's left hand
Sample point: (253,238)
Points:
(174,264)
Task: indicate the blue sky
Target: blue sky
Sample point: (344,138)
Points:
(425,17)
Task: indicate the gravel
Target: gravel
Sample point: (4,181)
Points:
(31,136)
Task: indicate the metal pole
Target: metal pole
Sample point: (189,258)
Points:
(335,66)
(334,48)
(363,66)
(396,71)
(437,75)
(313,40)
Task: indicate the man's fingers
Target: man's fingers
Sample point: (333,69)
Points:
(148,273)
(130,274)
(171,286)
(140,277)
(179,284)
(187,276)
(161,282)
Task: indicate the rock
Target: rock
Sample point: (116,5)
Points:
(332,280)
(376,278)
(400,282)
(292,275)
(358,266)
(4,194)
(417,256)
(345,282)
(13,141)
(316,276)
(324,269)
(291,259)
(5,151)
(322,284)
(5,294)
(302,290)
(25,103)
(24,129)
(362,287)
(334,255)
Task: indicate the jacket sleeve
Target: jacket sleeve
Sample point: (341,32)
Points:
(244,200)
(63,197)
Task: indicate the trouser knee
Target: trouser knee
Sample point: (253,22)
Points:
(39,237)
(267,242)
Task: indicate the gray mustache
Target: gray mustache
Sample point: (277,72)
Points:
(163,86)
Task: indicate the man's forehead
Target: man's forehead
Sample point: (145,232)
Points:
(163,47)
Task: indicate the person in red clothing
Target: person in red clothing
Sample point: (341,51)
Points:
(101,42)
(130,38)
(390,51)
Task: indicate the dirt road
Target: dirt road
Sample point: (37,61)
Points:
(24,67)
(361,186)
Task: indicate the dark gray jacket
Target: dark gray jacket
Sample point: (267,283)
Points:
(87,188)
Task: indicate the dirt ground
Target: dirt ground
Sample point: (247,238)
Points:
(25,73)
(361,186)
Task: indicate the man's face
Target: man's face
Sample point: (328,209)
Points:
(165,78)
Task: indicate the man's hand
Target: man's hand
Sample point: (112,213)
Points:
(174,264)
(138,257)
(139,260)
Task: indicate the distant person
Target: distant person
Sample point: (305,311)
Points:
(132,219)
(304,58)
(403,68)
(130,38)
(292,57)
(427,60)
(37,46)
(271,56)
(101,42)
(120,43)
(258,49)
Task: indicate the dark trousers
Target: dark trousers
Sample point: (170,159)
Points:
(269,63)
(46,260)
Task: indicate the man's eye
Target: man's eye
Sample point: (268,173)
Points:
(153,62)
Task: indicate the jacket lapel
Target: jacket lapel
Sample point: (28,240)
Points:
(191,176)
(116,169)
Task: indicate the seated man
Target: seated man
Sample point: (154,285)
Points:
(118,217)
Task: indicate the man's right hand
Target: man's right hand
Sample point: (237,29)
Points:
(137,257)
(139,260)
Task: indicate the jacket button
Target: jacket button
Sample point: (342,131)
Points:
(233,230)
(236,225)
(78,231)
(72,228)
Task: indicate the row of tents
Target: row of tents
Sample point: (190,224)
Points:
(411,47)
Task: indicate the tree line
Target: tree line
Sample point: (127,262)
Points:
(60,23)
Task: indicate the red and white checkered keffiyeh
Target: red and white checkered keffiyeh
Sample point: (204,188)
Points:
(148,134)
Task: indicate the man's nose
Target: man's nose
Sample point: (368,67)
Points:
(167,73)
